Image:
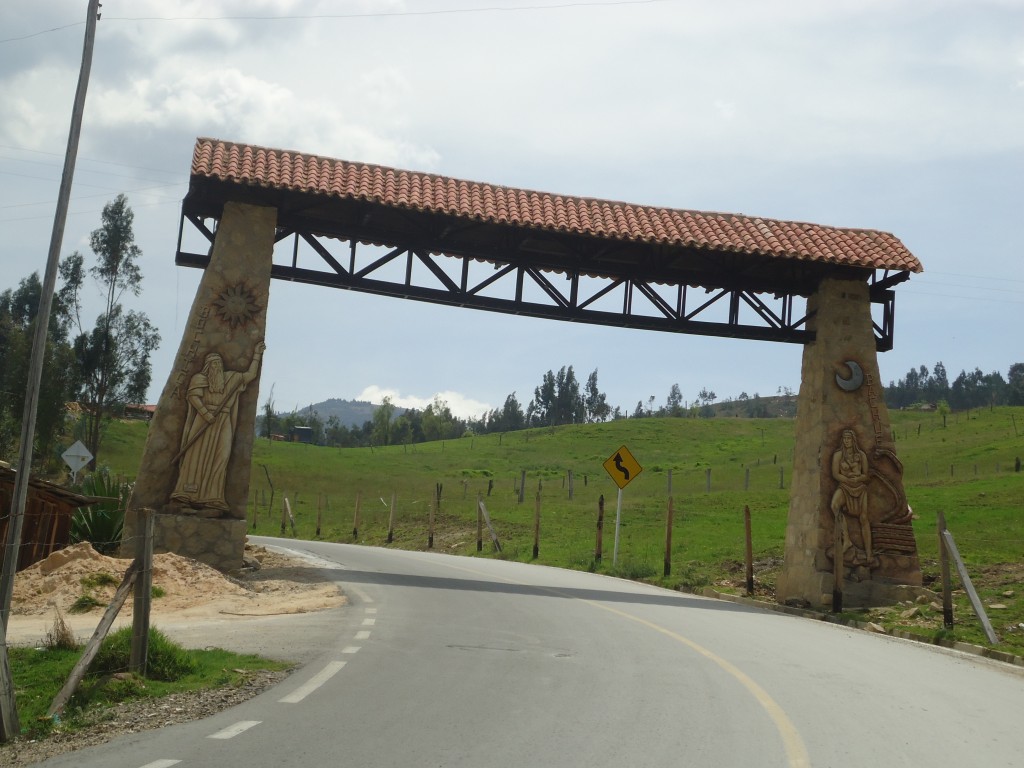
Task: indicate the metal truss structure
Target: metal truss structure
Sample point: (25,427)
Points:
(543,274)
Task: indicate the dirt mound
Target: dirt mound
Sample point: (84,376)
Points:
(79,570)
(183,589)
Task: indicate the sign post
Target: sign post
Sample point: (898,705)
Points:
(622,468)
(76,457)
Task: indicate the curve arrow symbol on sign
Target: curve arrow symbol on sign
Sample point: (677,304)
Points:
(618,466)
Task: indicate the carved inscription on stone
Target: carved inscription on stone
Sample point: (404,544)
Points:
(209,433)
(190,351)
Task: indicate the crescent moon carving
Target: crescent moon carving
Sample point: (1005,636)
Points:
(856,379)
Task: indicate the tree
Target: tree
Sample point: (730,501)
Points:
(674,402)
(1015,384)
(595,401)
(439,423)
(558,400)
(113,357)
(268,414)
(18,314)
(382,422)
(509,418)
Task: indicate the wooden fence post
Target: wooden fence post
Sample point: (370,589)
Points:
(837,562)
(522,486)
(668,537)
(434,510)
(598,550)
(291,517)
(707,480)
(490,526)
(947,586)
(749,550)
(255,508)
(143,599)
(536,523)
(480,523)
(93,646)
(319,513)
(391,520)
(355,517)
(976,603)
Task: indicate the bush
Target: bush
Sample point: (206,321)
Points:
(102,523)
(59,636)
(165,661)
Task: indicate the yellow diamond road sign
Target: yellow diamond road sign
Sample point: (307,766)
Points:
(622,467)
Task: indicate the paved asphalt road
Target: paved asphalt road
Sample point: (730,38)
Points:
(445,661)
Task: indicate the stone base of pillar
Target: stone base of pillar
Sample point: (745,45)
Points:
(217,542)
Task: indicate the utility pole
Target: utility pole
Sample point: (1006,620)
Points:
(9,724)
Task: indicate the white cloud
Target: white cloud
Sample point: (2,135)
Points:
(460,405)
(231,104)
(32,101)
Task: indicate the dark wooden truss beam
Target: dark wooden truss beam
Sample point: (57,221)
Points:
(549,275)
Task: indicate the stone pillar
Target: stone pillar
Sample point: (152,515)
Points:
(845,468)
(195,466)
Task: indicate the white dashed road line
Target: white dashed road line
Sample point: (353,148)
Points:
(318,680)
(350,649)
(161,764)
(233,730)
(369,622)
(371,610)
(363,634)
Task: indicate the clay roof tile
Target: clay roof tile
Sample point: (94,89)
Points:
(281,169)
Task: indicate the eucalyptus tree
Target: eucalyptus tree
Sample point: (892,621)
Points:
(113,356)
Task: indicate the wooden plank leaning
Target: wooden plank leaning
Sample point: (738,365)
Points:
(93,646)
(990,633)
(490,527)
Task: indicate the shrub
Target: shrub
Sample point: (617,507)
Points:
(84,604)
(165,660)
(60,636)
(101,524)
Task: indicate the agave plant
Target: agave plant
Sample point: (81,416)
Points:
(101,523)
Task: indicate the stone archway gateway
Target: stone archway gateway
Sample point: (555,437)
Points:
(431,238)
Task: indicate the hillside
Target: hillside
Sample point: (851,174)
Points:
(350,413)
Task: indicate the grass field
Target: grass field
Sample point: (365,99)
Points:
(966,469)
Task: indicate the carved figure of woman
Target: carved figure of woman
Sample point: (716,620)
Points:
(850,470)
(209,433)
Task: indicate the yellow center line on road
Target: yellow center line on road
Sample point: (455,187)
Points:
(796,750)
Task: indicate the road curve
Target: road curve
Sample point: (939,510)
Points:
(448,661)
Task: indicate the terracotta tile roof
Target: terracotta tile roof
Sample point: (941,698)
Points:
(294,171)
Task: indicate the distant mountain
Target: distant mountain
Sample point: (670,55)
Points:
(351,413)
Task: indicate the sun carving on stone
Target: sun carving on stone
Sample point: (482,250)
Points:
(236,305)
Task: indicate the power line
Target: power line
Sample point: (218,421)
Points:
(83,159)
(372,15)
(87,197)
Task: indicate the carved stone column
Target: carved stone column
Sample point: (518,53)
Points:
(195,466)
(845,469)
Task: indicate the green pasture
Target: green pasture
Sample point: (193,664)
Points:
(965,468)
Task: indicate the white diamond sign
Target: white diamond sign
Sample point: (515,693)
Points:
(76,457)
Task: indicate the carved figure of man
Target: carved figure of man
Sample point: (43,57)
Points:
(850,470)
(209,433)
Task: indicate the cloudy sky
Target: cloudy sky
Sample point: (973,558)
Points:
(900,115)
